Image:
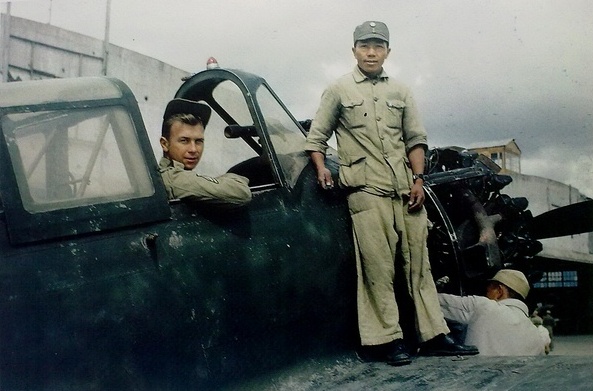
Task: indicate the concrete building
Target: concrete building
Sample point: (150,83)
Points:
(505,153)
(33,50)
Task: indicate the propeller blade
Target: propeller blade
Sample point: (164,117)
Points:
(567,220)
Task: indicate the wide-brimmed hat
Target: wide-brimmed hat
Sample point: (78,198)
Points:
(514,279)
(186,106)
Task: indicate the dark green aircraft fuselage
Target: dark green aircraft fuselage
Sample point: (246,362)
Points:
(109,284)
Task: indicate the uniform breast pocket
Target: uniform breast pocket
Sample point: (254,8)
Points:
(353,113)
(395,113)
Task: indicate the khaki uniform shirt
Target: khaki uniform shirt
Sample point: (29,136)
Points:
(226,190)
(376,123)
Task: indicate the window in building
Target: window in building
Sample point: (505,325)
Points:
(558,279)
(497,158)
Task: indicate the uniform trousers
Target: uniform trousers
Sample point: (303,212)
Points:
(386,233)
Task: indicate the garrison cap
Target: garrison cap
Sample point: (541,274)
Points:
(186,106)
(514,279)
(371,29)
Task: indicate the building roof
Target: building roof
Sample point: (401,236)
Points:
(490,144)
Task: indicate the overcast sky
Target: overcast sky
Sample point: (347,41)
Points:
(480,70)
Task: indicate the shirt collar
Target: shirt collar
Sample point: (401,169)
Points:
(166,162)
(516,303)
(360,77)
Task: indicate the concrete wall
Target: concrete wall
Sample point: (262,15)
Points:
(38,51)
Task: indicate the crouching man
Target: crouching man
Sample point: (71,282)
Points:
(498,324)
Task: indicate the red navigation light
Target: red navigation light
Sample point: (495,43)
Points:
(212,63)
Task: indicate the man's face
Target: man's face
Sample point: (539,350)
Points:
(370,55)
(185,144)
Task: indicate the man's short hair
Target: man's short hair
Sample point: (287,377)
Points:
(188,119)
(187,111)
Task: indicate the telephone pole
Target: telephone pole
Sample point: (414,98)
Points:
(5,43)
(106,39)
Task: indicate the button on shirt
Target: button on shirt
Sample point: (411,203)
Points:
(376,122)
(496,328)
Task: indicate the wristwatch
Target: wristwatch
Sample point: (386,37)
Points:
(418,176)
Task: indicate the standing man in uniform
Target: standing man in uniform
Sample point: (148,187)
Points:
(549,322)
(182,141)
(381,146)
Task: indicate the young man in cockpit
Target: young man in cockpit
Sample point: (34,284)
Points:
(182,141)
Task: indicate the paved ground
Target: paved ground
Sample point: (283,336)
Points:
(577,345)
(568,367)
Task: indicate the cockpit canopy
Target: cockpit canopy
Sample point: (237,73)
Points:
(73,147)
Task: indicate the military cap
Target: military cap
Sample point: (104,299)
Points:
(371,29)
(186,106)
